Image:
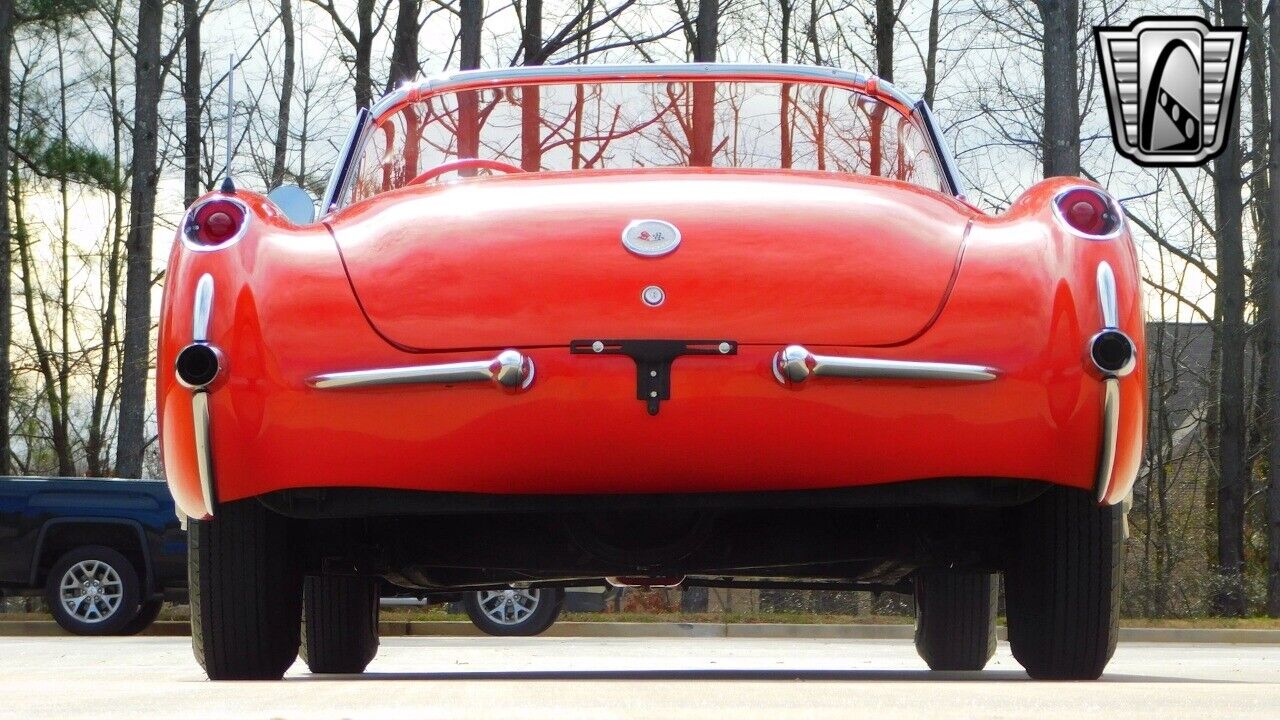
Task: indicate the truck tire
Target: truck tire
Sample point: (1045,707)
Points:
(512,612)
(246,593)
(147,614)
(956,619)
(340,623)
(93,590)
(1062,587)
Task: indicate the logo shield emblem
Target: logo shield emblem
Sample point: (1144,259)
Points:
(1171,85)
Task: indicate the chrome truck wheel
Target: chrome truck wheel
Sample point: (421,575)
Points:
(93,590)
(514,611)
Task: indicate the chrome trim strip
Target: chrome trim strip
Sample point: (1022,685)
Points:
(201,308)
(1116,207)
(190,216)
(1107,302)
(509,369)
(795,364)
(341,169)
(204,446)
(446,81)
(1110,435)
(940,148)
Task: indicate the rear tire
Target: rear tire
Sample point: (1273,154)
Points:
(1063,585)
(147,614)
(487,612)
(340,623)
(956,619)
(246,593)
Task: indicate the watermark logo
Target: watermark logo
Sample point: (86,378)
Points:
(1171,85)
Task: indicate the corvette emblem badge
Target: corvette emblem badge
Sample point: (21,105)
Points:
(650,238)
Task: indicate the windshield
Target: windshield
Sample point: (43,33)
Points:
(620,125)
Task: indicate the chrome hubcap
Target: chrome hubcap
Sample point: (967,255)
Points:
(510,606)
(91,590)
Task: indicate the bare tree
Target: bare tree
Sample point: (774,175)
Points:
(286,95)
(1273,367)
(6,241)
(191,21)
(1061,140)
(137,320)
(1228,185)
(885,20)
(404,47)
(361,41)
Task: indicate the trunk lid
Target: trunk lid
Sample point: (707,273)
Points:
(765,257)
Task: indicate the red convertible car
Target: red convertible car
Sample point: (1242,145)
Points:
(719,325)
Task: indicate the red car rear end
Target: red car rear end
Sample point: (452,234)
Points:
(731,324)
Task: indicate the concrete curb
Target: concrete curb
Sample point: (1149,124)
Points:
(450,628)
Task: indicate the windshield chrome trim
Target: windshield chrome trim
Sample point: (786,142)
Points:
(445,82)
(342,170)
(941,151)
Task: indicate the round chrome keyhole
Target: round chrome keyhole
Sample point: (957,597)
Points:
(653,296)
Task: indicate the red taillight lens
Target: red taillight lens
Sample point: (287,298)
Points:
(215,222)
(1088,211)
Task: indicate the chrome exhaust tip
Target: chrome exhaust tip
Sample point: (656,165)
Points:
(1112,352)
(198,365)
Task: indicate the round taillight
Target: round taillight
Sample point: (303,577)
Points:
(215,222)
(1088,211)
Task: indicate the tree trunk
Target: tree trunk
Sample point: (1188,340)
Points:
(471,21)
(286,96)
(530,101)
(6,241)
(95,445)
(1260,289)
(931,56)
(404,48)
(1232,432)
(1273,368)
(142,198)
(364,53)
(886,18)
(1061,140)
(191,101)
(703,120)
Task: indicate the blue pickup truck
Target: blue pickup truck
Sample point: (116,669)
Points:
(106,553)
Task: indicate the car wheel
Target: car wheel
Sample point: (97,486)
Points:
(246,593)
(956,619)
(93,590)
(147,614)
(339,623)
(512,612)
(1062,587)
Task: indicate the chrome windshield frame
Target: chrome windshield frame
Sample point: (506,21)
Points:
(474,79)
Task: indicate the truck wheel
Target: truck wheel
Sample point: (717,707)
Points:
(246,593)
(514,612)
(340,623)
(147,614)
(956,619)
(1062,586)
(93,590)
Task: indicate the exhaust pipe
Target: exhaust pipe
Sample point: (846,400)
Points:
(1112,352)
(198,365)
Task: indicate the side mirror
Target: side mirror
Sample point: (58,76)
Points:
(297,204)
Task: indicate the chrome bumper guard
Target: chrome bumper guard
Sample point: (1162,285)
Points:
(509,369)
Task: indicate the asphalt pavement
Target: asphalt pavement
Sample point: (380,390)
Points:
(558,677)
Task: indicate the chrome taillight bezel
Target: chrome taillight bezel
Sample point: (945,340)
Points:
(189,227)
(1111,203)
